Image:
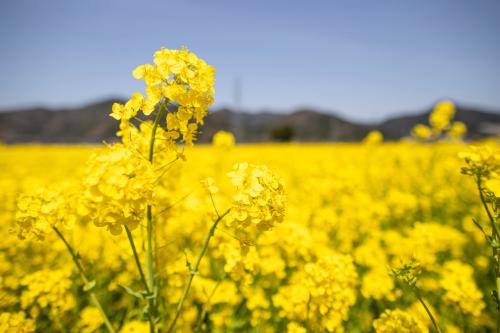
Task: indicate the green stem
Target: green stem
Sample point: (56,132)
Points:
(497,280)
(93,297)
(194,271)
(136,257)
(434,322)
(486,208)
(496,235)
(149,216)
(159,115)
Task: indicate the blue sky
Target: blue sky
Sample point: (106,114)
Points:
(366,60)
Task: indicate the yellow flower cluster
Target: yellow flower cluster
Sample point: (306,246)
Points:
(37,213)
(440,123)
(422,132)
(398,321)
(457,280)
(47,289)
(321,294)
(90,320)
(118,186)
(407,272)
(223,140)
(483,163)
(295,328)
(135,326)
(178,77)
(374,206)
(441,115)
(16,322)
(258,201)
(373,137)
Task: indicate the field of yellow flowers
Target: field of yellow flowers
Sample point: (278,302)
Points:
(153,234)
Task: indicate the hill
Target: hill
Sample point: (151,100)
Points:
(92,124)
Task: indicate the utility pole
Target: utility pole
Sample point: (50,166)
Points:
(237,121)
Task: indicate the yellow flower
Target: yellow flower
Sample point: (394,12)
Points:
(441,116)
(118,186)
(223,139)
(48,289)
(494,186)
(258,201)
(90,320)
(135,326)
(482,161)
(177,77)
(209,184)
(321,293)
(398,321)
(373,137)
(295,328)
(16,322)
(457,280)
(422,132)
(457,130)
(377,284)
(37,213)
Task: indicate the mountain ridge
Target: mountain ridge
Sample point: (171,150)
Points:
(91,124)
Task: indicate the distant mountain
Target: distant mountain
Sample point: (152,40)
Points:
(92,124)
(302,125)
(88,124)
(479,123)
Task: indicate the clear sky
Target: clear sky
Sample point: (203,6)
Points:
(363,59)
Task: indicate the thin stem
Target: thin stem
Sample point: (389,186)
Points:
(213,204)
(136,257)
(159,115)
(175,203)
(149,216)
(93,297)
(497,280)
(486,208)
(434,322)
(496,235)
(194,271)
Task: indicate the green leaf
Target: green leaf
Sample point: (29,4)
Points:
(153,294)
(89,286)
(480,227)
(132,292)
(494,243)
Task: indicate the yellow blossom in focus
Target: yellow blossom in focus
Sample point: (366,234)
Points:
(118,186)
(179,78)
